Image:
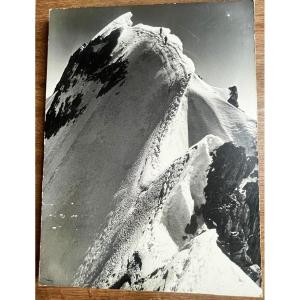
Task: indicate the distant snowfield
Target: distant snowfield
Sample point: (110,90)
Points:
(126,171)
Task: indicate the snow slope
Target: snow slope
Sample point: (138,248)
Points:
(129,136)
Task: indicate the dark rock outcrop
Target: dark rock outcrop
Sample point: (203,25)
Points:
(192,227)
(134,266)
(68,111)
(233,209)
(91,62)
(233,96)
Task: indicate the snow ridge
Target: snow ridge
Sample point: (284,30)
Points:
(149,125)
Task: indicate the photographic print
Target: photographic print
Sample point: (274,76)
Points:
(150,175)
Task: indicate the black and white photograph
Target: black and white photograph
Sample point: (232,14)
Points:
(150,172)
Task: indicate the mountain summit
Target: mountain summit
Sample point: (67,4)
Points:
(150,174)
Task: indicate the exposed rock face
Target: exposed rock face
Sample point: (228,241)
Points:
(132,274)
(93,63)
(233,206)
(233,96)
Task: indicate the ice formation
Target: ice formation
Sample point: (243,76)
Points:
(135,142)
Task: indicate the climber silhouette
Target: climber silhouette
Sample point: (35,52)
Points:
(166,39)
(160,31)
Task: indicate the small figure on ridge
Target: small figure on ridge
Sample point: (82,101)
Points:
(166,39)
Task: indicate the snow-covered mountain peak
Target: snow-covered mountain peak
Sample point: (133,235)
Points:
(135,146)
(122,21)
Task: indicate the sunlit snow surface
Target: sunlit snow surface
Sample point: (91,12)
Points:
(122,177)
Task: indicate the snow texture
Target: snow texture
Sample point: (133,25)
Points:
(130,132)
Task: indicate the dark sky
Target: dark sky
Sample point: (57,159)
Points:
(218,37)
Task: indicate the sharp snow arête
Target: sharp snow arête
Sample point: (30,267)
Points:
(150,174)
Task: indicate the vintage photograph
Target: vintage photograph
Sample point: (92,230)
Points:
(150,173)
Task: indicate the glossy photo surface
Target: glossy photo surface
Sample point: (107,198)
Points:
(150,177)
